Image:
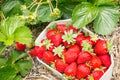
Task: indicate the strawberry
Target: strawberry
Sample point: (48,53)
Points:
(80,38)
(61,27)
(60,65)
(95,62)
(71,69)
(57,57)
(82,71)
(20,46)
(83,57)
(70,56)
(105,59)
(96,75)
(39,51)
(72,28)
(50,33)
(48,57)
(57,39)
(32,53)
(74,48)
(101,47)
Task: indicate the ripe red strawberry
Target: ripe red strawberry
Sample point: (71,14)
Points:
(57,57)
(96,75)
(82,71)
(60,65)
(70,56)
(95,62)
(48,57)
(39,51)
(101,47)
(61,27)
(32,53)
(66,44)
(72,28)
(83,57)
(20,46)
(105,59)
(80,38)
(71,69)
(50,33)
(57,39)
(74,48)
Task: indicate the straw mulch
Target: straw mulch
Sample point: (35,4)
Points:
(40,72)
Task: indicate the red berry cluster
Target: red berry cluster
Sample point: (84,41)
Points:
(74,53)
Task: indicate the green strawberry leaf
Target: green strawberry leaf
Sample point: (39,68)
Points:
(2,47)
(25,37)
(18,78)
(11,7)
(23,66)
(106,20)
(16,55)
(83,14)
(104,2)
(7,73)
(3,61)
(10,24)
(43,14)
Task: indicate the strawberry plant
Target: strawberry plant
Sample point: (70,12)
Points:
(14,33)
(83,57)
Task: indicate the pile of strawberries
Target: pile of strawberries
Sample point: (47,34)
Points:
(74,53)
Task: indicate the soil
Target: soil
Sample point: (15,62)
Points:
(40,72)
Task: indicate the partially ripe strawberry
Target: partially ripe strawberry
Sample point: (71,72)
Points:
(39,51)
(48,57)
(60,65)
(50,33)
(105,60)
(61,27)
(101,47)
(71,69)
(20,46)
(82,71)
(83,57)
(95,62)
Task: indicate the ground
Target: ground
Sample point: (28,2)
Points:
(40,72)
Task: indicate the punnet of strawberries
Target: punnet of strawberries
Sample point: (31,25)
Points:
(74,53)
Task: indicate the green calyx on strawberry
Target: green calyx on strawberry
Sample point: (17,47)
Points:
(47,43)
(86,46)
(59,50)
(69,36)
